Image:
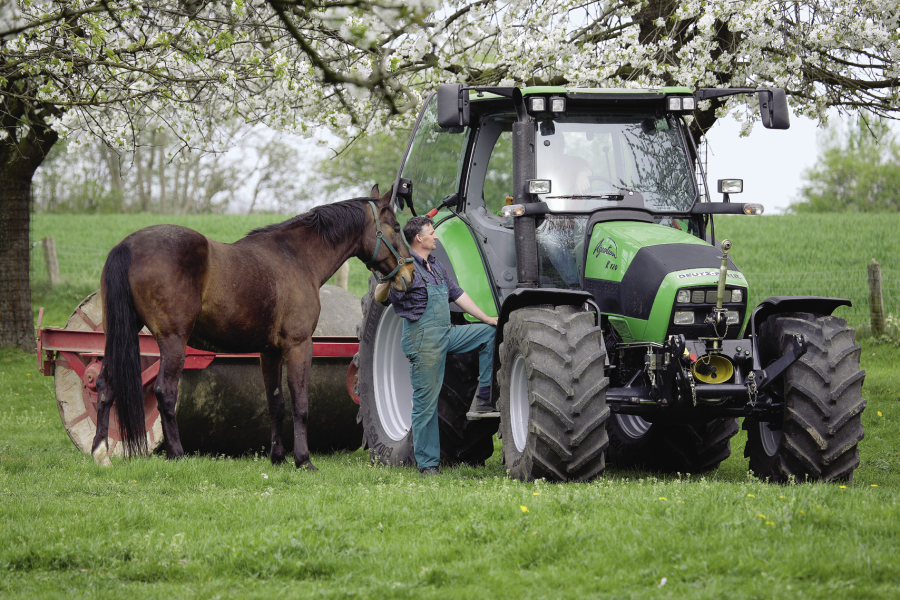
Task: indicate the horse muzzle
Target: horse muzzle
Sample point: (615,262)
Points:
(404,278)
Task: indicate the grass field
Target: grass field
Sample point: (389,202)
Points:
(782,255)
(205,527)
(221,528)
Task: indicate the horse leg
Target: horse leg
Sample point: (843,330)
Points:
(299,363)
(271,371)
(100,447)
(171,356)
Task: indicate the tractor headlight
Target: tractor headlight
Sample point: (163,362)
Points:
(732,317)
(538,186)
(674,104)
(737,295)
(538,104)
(683,296)
(687,104)
(557,104)
(684,317)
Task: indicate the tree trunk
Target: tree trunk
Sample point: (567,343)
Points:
(19,159)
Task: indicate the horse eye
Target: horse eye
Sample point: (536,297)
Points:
(396,228)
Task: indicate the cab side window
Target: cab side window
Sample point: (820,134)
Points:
(498,179)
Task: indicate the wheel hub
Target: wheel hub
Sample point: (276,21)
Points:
(390,376)
(634,426)
(771,439)
(518,403)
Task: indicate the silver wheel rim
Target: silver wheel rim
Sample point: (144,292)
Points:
(634,426)
(518,403)
(390,376)
(771,439)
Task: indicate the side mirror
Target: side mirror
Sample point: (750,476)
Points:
(453,106)
(773,109)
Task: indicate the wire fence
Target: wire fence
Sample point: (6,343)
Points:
(79,265)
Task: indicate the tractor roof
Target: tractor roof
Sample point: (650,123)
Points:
(593,93)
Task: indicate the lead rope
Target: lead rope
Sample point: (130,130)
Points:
(379,237)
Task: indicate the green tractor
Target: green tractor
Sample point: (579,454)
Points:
(580,218)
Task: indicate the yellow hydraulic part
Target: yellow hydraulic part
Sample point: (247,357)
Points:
(712,368)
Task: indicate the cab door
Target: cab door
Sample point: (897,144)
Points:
(432,164)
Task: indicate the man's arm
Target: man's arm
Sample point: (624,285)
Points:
(468,305)
(381,291)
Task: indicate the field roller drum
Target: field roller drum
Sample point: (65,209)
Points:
(222,405)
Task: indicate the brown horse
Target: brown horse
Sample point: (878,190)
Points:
(259,294)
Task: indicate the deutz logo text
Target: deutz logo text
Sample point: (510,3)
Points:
(608,247)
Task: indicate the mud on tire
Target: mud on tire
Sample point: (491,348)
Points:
(822,426)
(553,395)
(385,396)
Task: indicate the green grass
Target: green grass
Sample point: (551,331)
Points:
(781,255)
(206,528)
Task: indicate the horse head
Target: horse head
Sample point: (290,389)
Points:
(392,259)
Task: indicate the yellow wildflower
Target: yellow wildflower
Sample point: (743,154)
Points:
(770,523)
(874,485)
(843,487)
(879,414)
(524,509)
(751,496)
(661,498)
(536,494)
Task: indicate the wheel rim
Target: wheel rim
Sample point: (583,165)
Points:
(634,426)
(518,403)
(771,439)
(390,376)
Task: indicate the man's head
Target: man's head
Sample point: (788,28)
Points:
(420,235)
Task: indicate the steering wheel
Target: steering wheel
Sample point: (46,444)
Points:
(593,178)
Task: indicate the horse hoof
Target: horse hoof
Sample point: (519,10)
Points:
(306,466)
(277,459)
(101,455)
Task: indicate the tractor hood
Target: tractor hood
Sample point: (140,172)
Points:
(634,270)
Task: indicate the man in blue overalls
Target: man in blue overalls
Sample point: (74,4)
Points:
(428,337)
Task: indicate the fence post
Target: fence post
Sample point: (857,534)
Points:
(50,260)
(876,300)
(343,276)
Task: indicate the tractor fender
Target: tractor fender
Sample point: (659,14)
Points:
(774,305)
(522,297)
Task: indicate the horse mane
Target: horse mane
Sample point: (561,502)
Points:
(333,222)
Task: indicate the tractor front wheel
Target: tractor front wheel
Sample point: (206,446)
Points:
(553,395)
(818,436)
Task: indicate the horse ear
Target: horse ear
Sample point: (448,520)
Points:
(374,193)
(387,197)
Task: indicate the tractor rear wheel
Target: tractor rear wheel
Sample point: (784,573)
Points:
(553,395)
(819,434)
(669,447)
(385,395)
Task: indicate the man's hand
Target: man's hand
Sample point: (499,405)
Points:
(381,291)
(468,305)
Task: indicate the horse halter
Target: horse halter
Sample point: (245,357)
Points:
(379,237)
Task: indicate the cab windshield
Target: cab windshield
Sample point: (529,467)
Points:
(600,161)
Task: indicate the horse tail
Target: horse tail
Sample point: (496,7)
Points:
(121,370)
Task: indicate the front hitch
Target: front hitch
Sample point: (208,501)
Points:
(799,346)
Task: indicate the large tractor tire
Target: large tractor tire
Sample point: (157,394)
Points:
(669,447)
(822,425)
(553,395)
(385,396)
